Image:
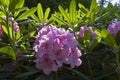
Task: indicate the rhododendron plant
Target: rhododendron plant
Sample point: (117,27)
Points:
(55,47)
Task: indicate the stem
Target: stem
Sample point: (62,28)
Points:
(90,69)
(117,57)
(56,76)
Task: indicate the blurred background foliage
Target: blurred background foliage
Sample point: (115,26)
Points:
(53,4)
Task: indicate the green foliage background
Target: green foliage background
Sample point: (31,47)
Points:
(53,4)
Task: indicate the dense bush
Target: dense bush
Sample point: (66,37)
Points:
(71,43)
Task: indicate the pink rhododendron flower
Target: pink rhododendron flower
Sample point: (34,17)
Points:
(114,28)
(83,29)
(55,47)
(46,64)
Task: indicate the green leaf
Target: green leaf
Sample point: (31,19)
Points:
(60,21)
(8,51)
(12,4)
(18,35)
(86,38)
(117,38)
(94,43)
(11,31)
(97,33)
(93,5)
(40,12)
(5,2)
(107,37)
(20,4)
(82,8)
(26,74)
(18,10)
(34,17)
(27,13)
(27,36)
(5,29)
(64,13)
(72,10)
(46,13)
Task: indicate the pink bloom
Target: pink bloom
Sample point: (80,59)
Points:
(56,45)
(114,28)
(46,64)
(16,27)
(83,29)
(74,59)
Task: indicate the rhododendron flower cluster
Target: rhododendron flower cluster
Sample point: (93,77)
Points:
(114,28)
(15,26)
(55,47)
(83,29)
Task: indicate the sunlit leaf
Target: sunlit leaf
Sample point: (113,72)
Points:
(27,36)
(27,13)
(46,13)
(12,4)
(93,5)
(72,10)
(40,12)
(86,38)
(64,13)
(107,37)
(94,43)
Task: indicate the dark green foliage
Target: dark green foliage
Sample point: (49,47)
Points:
(53,4)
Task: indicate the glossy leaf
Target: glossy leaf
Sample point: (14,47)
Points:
(72,10)
(5,29)
(93,5)
(46,13)
(5,2)
(8,51)
(56,18)
(34,17)
(64,13)
(107,37)
(13,4)
(20,4)
(27,36)
(86,38)
(27,13)
(94,43)
(11,32)
(97,33)
(18,10)
(18,35)
(40,12)
(82,7)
